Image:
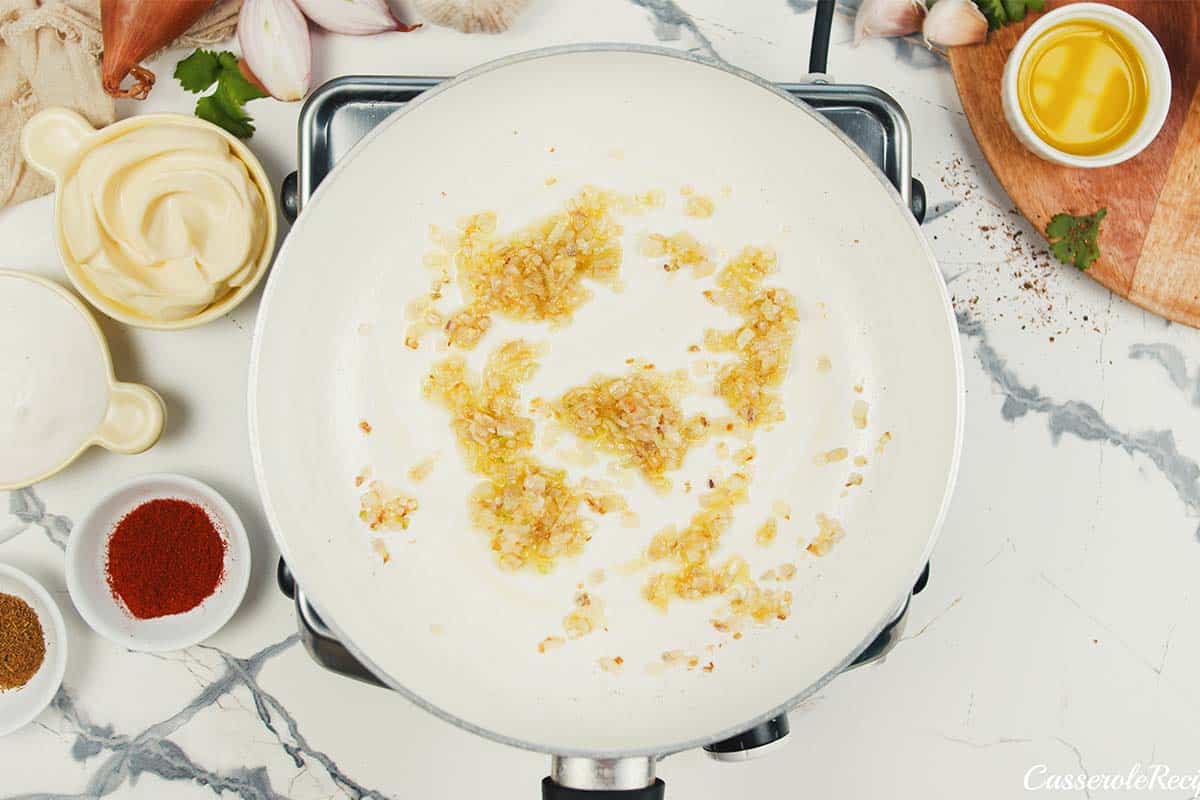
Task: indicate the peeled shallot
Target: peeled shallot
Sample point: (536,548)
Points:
(355,17)
(275,44)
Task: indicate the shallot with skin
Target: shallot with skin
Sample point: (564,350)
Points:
(133,30)
(887,18)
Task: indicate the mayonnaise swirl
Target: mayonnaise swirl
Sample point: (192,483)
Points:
(164,219)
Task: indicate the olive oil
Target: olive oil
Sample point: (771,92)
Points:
(1083,88)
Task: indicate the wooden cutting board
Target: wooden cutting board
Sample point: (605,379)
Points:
(1150,240)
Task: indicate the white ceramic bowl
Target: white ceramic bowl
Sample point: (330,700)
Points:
(58,394)
(86,553)
(18,707)
(56,139)
(1158,74)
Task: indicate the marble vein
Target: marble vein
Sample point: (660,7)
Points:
(1083,420)
(1079,760)
(670,20)
(983,745)
(1171,359)
(29,509)
(152,752)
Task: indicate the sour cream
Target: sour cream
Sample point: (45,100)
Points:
(163,219)
(54,381)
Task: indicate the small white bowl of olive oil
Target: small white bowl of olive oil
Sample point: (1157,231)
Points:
(1087,85)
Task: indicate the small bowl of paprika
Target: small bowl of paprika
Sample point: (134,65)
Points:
(160,563)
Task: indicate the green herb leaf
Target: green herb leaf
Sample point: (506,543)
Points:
(216,109)
(223,107)
(994,11)
(198,71)
(1014,10)
(239,88)
(1074,240)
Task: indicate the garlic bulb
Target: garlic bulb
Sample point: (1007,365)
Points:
(273,35)
(954,22)
(472,16)
(887,18)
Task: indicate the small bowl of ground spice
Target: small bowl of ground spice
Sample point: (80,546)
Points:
(33,649)
(160,563)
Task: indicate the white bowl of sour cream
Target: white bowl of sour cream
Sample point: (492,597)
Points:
(58,395)
(163,220)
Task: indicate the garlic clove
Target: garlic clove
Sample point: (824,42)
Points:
(472,16)
(354,17)
(954,22)
(887,18)
(274,38)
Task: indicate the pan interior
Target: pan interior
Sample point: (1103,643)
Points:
(440,620)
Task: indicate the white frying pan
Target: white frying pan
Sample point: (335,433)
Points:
(440,622)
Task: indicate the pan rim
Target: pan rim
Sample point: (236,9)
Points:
(952,330)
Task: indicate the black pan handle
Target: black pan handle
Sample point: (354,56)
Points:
(918,203)
(289,197)
(555,791)
(818,55)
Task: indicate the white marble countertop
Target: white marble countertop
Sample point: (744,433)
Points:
(1060,627)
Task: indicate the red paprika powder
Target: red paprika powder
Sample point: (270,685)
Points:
(165,557)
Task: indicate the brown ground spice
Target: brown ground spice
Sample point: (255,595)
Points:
(22,643)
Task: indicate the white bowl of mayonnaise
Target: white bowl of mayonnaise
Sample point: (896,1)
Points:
(163,220)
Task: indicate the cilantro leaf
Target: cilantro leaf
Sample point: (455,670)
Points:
(234,81)
(224,106)
(198,71)
(220,112)
(994,11)
(1073,240)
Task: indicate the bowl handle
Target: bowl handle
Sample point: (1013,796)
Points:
(52,138)
(134,419)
